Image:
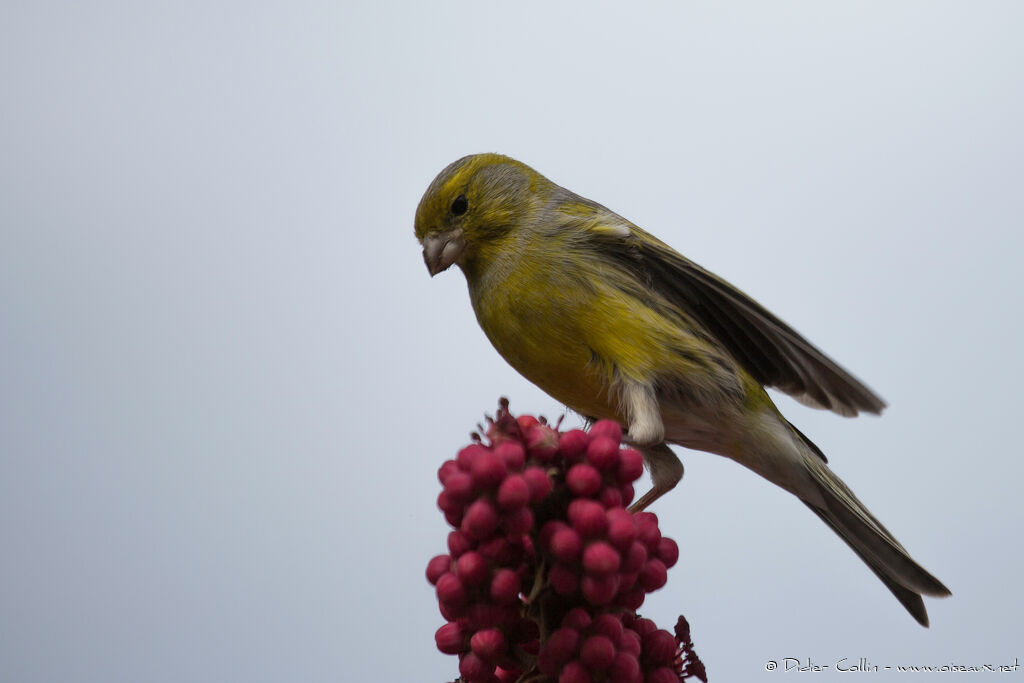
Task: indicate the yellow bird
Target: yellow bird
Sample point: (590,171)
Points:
(616,324)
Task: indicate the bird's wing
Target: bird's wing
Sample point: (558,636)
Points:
(769,349)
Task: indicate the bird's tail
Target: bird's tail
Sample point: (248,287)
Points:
(852,521)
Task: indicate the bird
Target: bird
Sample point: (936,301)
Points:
(615,324)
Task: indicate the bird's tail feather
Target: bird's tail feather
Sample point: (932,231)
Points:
(872,542)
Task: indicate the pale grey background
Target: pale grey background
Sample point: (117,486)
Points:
(227,381)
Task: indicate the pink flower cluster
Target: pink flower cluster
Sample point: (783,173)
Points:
(546,567)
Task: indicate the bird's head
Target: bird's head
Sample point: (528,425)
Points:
(473,207)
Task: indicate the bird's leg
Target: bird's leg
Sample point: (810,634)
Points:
(666,471)
(647,434)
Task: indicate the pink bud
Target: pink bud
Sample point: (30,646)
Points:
(601,558)
(472,568)
(527,421)
(625,668)
(468,454)
(660,647)
(599,590)
(480,520)
(446,470)
(505,586)
(573,444)
(539,483)
(647,528)
(597,652)
(583,480)
(450,639)
(643,627)
(629,642)
(575,672)
(587,517)
(447,503)
(513,493)
(507,675)
(621,528)
(653,575)
(542,442)
(603,452)
(474,669)
(512,454)
(630,467)
(459,487)
(438,567)
(566,545)
(458,543)
(488,644)
(668,551)
(451,590)
(451,612)
(487,470)
(560,647)
(607,428)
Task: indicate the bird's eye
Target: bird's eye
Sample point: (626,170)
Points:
(460,205)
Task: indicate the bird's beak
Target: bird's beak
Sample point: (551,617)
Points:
(440,251)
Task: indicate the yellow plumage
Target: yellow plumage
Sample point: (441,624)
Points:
(616,324)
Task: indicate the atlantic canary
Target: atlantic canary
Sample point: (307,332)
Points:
(615,324)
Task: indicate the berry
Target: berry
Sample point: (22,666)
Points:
(587,517)
(575,672)
(600,558)
(539,483)
(541,442)
(468,454)
(513,493)
(472,568)
(512,453)
(487,470)
(480,520)
(583,480)
(450,639)
(607,428)
(566,545)
(660,647)
(438,567)
(597,652)
(625,668)
(573,444)
(474,669)
(451,590)
(488,644)
(505,586)
(603,452)
(668,552)
(599,590)
(630,467)
(560,647)
(653,575)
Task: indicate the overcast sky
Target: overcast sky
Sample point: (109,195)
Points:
(227,382)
